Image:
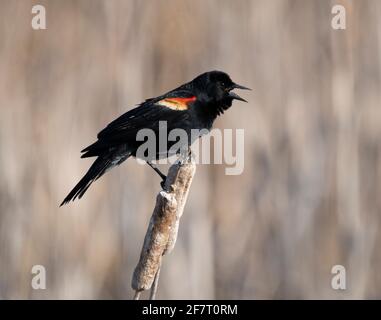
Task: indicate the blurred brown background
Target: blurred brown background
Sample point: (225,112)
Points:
(309,197)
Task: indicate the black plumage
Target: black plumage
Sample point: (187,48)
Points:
(194,105)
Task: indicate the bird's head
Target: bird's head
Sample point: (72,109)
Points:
(215,87)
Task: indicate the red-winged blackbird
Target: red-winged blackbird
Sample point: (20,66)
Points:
(194,105)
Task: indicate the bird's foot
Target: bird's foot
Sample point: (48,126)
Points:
(186,155)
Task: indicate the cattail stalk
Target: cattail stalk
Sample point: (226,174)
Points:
(162,231)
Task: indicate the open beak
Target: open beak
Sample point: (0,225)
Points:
(235,96)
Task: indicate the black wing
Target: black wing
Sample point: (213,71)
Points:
(147,115)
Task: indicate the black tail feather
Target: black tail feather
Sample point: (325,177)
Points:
(98,168)
(96,149)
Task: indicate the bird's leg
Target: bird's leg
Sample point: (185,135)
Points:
(190,156)
(162,175)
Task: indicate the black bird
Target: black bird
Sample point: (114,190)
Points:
(193,105)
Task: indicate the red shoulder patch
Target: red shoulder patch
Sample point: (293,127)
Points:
(177,103)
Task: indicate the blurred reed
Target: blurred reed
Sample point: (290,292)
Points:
(308,199)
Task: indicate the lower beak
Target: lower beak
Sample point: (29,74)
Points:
(235,96)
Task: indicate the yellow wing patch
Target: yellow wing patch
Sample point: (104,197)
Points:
(176,103)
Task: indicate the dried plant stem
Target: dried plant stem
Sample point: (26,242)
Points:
(163,227)
(137,295)
(155,285)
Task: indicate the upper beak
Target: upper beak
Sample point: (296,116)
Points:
(235,96)
(238,86)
